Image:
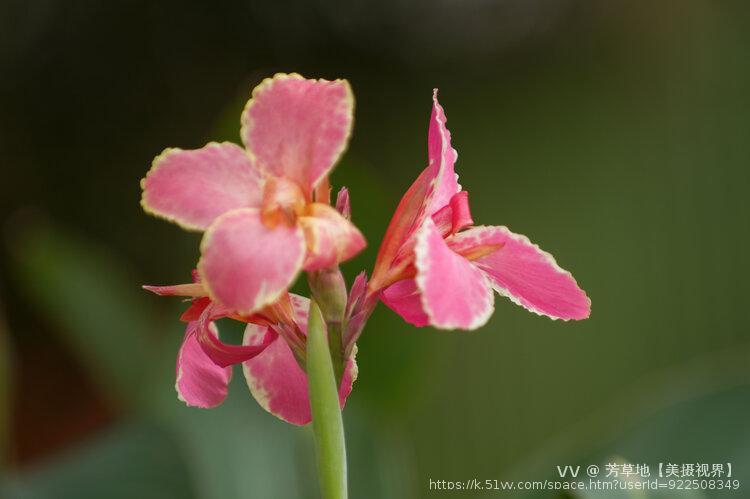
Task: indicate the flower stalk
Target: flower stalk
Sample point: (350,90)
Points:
(327,423)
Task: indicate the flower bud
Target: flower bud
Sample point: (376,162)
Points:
(329,290)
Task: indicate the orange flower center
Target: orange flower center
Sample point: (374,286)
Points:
(283,202)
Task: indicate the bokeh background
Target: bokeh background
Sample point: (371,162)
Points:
(615,134)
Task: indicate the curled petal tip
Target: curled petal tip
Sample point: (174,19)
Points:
(224,354)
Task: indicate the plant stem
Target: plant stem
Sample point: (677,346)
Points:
(328,288)
(328,426)
(337,350)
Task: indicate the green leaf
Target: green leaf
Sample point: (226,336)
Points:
(237,450)
(134,460)
(694,413)
(103,316)
(100,309)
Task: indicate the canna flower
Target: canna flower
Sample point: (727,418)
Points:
(272,354)
(263,209)
(435,268)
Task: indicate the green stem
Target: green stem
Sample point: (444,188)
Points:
(328,426)
(337,350)
(329,291)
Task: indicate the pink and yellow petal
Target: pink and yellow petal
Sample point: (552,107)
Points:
(246,265)
(408,217)
(441,153)
(431,191)
(276,380)
(351,372)
(404,298)
(297,128)
(524,273)
(193,289)
(330,237)
(200,382)
(454,293)
(194,187)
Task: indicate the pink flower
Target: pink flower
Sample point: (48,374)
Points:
(271,354)
(263,209)
(434,268)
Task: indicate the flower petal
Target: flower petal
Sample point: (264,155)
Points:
(455,293)
(330,237)
(408,217)
(343,204)
(454,216)
(298,128)
(404,298)
(276,380)
(200,382)
(430,192)
(440,152)
(192,188)
(245,265)
(224,354)
(357,293)
(524,273)
(196,308)
(193,289)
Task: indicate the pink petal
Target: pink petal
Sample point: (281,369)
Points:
(404,298)
(192,188)
(409,215)
(276,380)
(357,293)
(244,264)
(196,308)
(301,307)
(454,216)
(330,237)
(192,289)
(298,128)
(526,274)
(224,354)
(200,382)
(440,152)
(455,293)
(343,204)
(430,192)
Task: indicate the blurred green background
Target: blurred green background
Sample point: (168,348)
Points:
(614,134)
